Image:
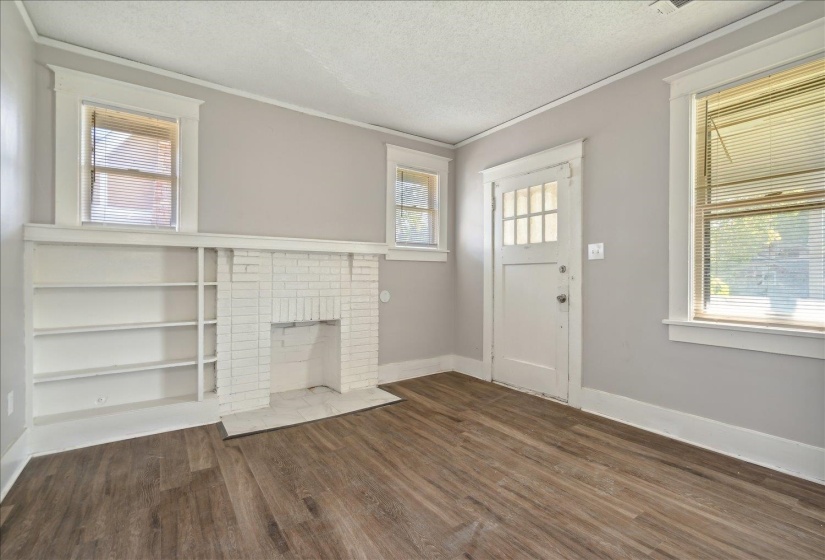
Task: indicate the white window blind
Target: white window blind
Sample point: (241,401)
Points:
(759,201)
(130,168)
(416,208)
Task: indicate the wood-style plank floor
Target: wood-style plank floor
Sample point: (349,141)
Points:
(461,469)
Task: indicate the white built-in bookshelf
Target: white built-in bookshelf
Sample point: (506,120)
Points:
(118,328)
(121,328)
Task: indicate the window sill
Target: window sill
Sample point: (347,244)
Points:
(790,342)
(413,254)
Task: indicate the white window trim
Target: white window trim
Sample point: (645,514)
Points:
(405,157)
(72,88)
(786,48)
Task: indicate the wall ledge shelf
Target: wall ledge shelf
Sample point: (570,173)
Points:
(114,370)
(75,415)
(122,327)
(73,235)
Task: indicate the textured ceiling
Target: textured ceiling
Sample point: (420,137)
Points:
(441,70)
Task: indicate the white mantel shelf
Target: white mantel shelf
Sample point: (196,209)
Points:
(47,233)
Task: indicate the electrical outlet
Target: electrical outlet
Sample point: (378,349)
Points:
(595,251)
(10,403)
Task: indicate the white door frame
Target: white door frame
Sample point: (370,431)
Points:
(572,154)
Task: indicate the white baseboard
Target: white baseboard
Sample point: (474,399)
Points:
(791,457)
(12,463)
(469,366)
(788,456)
(399,371)
(53,438)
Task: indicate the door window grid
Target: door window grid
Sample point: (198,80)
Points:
(530,215)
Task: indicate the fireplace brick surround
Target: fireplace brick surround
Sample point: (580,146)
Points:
(259,289)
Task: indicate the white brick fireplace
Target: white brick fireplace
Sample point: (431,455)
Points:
(290,320)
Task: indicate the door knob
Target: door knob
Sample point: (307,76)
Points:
(562,298)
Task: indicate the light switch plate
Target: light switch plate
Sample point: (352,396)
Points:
(595,251)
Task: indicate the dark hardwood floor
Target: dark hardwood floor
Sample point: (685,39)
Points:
(461,469)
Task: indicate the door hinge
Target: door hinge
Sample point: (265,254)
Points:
(494,203)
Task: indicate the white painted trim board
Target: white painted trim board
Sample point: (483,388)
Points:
(571,153)
(13,461)
(400,157)
(787,456)
(47,42)
(794,458)
(66,436)
(47,233)
(721,32)
(71,90)
(400,371)
(411,369)
(780,454)
(469,366)
(85,432)
(794,45)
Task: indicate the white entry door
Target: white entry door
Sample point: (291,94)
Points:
(530,319)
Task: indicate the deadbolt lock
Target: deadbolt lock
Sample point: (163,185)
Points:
(562,269)
(562,298)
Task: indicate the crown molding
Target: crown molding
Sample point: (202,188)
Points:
(24,13)
(54,43)
(722,31)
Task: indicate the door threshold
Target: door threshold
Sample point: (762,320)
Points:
(529,392)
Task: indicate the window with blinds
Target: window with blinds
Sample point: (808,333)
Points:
(416,208)
(759,201)
(130,168)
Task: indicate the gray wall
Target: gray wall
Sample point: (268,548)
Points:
(626,346)
(270,171)
(264,170)
(16,123)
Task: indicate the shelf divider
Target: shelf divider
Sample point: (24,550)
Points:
(200,323)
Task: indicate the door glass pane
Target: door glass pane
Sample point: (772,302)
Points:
(551,196)
(551,227)
(535,199)
(509,232)
(509,206)
(521,202)
(521,229)
(535,228)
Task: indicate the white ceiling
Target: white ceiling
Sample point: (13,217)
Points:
(441,70)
